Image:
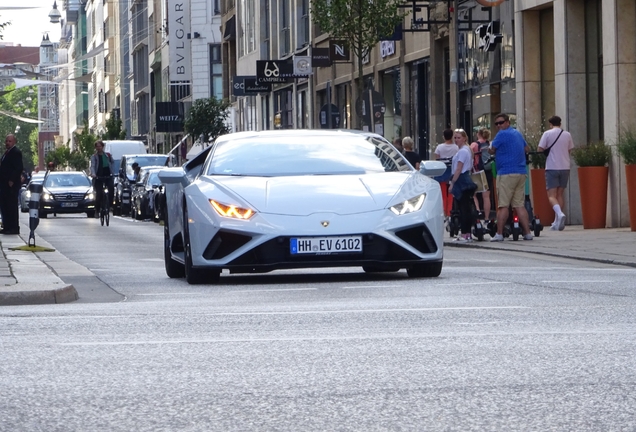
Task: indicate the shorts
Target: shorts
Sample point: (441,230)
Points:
(479,178)
(556,179)
(511,189)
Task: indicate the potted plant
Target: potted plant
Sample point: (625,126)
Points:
(540,202)
(593,161)
(626,146)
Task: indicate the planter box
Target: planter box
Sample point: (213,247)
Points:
(593,182)
(540,202)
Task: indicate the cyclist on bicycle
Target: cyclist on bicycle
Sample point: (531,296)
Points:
(102,171)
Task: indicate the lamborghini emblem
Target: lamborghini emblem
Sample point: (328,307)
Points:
(324,223)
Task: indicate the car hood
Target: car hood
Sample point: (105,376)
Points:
(304,195)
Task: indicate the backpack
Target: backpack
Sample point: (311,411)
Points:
(486,162)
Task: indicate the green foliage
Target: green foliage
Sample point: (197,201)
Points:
(360,22)
(2,26)
(626,145)
(593,154)
(10,103)
(114,129)
(79,157)
(207,118)
(533,136)
(60,157)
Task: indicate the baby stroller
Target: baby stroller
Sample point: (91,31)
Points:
(454,223)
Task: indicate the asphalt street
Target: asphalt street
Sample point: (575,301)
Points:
(499,342)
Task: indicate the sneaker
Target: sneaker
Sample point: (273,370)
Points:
(561,222)
(497,238)
(462,240)
(527,236)
(554,227)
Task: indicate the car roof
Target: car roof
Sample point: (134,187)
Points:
(66,173)
(296,132)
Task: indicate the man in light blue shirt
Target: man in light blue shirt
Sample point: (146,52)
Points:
(510,149)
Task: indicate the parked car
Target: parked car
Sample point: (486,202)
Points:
(260,201)
(143,199)
(25,195)
(67,192)
(123,185)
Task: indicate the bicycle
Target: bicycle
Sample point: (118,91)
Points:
(104,208)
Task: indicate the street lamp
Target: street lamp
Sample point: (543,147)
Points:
(55,14)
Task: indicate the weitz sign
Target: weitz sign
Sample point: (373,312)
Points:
(169,116)
(180,66)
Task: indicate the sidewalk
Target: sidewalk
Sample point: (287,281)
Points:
(28,278)
(607,245)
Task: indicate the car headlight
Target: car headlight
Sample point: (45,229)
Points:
(231,211)
(89,195)
(409,206)
(47,196)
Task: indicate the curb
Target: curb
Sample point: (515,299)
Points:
(536,252)
(65,294)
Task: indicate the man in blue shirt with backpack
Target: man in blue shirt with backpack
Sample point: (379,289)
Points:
(510,149)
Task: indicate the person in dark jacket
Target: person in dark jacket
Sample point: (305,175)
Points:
(11,168)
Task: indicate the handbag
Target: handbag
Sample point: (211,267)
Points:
(479,178)
(546,151)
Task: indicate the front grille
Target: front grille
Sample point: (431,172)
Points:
(72,196)
(419,237)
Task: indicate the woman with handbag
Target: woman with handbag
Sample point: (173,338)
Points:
(556,144)
(461,185)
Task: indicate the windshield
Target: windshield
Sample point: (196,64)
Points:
(304,155)
(153,178)
(66,180)
(144,161)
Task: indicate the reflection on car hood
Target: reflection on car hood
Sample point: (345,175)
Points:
(303,195)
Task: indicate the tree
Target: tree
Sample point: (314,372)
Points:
(361,23)
(16,101)
(60,156)
(114,129)
(79,158)
(207,119)
(2,26)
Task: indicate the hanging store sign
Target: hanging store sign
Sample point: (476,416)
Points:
(320,57)
(338,51)
(274,71)
(387,48)
(302,66)
(180,66)
(490,3)
(489,36)
(170,116)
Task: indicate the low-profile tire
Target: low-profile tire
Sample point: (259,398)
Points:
(42,215)
(174,269)
(90,214)
(193,275)
(425,270)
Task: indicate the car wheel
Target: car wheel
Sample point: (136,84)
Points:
(425,270)
(90,214)
(42,215)
(174,269)
(195,276)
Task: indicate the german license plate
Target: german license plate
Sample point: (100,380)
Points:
(325,245)
(69,204)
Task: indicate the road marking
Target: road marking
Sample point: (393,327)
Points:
(276,290)
(170,294)
(574,281)
(371,286)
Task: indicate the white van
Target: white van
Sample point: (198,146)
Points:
(118,148)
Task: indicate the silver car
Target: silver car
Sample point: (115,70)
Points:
(37,178)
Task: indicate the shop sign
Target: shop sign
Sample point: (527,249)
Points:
(488,36)
(338,51)
(387,48)
(320,57)
(274,71)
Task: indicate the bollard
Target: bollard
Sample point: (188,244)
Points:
(34,209)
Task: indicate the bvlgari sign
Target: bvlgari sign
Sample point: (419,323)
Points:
(179,24)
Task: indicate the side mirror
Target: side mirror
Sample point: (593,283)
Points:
(173,176)
(432,168)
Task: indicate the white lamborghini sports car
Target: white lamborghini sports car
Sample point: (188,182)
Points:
(261,201)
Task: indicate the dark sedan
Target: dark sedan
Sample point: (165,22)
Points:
(144,194)
(67,192)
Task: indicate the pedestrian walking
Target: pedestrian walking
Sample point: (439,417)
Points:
(461,185)
(11,168)
(409,154)
(445,152)
(510,150)
(558,144)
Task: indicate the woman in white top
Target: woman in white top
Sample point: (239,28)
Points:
(461,184)
(445,152)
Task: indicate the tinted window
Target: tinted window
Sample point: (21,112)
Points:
(305,155)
